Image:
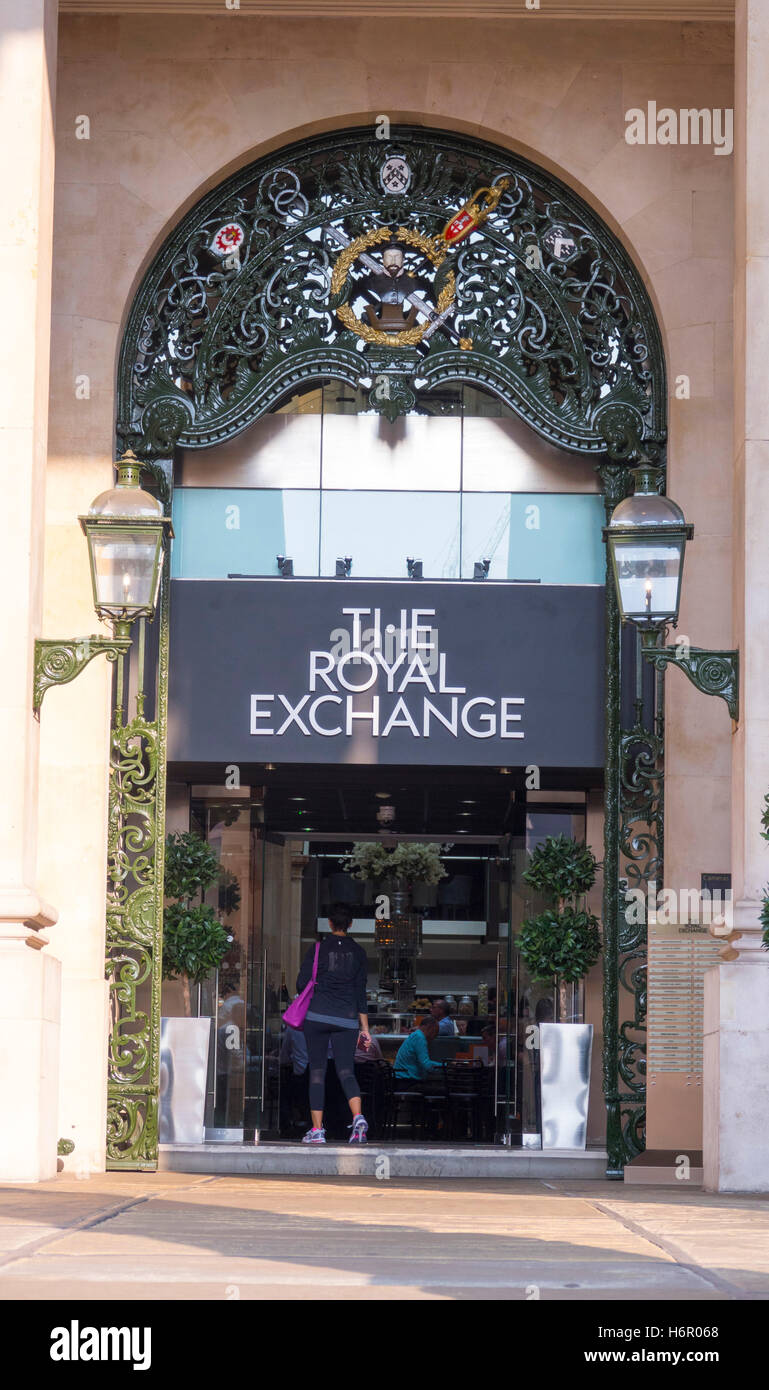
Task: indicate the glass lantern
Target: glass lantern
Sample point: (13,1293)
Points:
(647,536)
(126,531)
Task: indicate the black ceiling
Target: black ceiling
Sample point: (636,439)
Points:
(339,799)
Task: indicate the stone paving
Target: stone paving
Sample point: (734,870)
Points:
(173,1235)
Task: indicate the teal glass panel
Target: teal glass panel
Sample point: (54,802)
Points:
(550,536)
(221,531)
(379,531)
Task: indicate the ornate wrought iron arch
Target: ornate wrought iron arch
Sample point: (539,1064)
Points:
(242,303)
(261,288)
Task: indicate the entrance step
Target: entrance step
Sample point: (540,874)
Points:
(382,1160)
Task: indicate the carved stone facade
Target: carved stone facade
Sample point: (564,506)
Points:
(195,128)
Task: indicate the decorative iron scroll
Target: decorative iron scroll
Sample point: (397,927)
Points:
(711,672)
(135,862)
(58,662)
(246,300)
(641,847)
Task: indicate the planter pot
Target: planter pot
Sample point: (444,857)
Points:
(184,1044)
(564,1057)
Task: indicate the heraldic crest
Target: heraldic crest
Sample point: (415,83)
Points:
(393,266)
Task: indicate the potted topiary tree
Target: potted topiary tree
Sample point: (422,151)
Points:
(559,946)
(562,943)
(194,944)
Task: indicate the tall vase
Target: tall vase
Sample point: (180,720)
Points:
(564,1058)
(399,942)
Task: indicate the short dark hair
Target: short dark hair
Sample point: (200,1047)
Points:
(340,916)
(444,1005)
(429,1022)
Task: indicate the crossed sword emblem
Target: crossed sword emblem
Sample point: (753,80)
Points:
(468,219)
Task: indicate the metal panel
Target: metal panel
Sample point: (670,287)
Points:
(564,1050)
(184,1044)
(677,966)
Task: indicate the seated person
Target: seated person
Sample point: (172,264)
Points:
(442,1014)
(412,1060)
(488,1038)
(293,1050)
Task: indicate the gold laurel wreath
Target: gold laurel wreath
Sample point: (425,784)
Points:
(431,247)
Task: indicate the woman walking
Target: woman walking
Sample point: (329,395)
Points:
(337,1016)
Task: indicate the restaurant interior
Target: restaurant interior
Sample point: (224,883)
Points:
(286,844)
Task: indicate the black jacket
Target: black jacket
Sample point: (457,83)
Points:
(340,991)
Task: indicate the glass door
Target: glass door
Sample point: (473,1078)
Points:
(276,957)
(266,1005)
(505,1082)
(225,823)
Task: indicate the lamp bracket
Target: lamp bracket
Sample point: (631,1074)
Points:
(58,661)
(712,672)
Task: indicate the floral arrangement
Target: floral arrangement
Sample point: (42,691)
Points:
(372,861)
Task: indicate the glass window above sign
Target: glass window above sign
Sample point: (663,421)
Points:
(220,532)
(546,538)
(552,538)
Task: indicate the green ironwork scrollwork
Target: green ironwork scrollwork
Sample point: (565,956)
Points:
(59,661)
(135,852)
(712,672)
(556,318)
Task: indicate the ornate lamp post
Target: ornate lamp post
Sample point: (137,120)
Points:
(128,537)
(647,536)
(126,533)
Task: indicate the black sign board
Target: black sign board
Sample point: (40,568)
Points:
(332,671)
(715,883)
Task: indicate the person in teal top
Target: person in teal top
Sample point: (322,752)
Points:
(412,1060)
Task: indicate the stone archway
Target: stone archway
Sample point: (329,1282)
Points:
(259,289)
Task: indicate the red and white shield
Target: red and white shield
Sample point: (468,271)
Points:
(229,238)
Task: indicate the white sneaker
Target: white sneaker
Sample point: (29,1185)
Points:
(315,1136)
(359,1131)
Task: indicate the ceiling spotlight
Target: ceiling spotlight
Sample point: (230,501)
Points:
(270,767)
(297,798)
(504,771)
(468,801)
(383,796)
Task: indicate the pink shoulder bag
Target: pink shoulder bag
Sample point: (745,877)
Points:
(296,1011)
